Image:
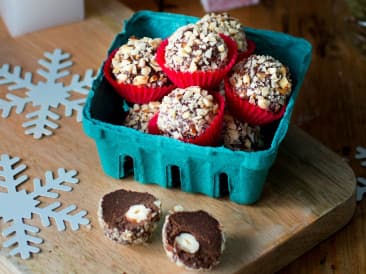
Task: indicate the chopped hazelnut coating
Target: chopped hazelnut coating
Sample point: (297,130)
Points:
(263,81)
(225,24)
(186,113)
(192,48)
(135,63)
(139,116)
(240,136)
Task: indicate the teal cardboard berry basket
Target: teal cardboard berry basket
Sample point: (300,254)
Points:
(213,171)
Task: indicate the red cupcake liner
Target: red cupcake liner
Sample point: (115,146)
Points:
(204,79)
(210,137)
(246,112)
(250,50)
(132,93)
(152,126)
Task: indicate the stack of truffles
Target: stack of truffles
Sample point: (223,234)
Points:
(202,85)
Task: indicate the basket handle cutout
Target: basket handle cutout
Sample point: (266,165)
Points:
(222,181)
(174,176)
(128,165)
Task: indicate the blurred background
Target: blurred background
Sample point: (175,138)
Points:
(336,18)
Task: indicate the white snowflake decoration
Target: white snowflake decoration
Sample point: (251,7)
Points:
(17,205)
(44,94)
(361,187)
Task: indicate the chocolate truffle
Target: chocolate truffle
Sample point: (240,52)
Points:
(263,81)
(129,217)
(225,24)
(135,63)
(241,136)
(139,116)
(193,239)
(192,49)
(186,113)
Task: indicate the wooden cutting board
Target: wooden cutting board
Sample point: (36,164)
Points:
(310,192)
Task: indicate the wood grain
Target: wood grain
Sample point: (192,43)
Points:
(309,193)
(303,202)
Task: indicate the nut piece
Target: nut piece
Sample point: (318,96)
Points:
(187,242)
(158,203)
(178,208)
(137,213)
(263,103)
(140,80)
(285,85)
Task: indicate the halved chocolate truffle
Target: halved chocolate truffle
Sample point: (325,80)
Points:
(129,217)
(193,239)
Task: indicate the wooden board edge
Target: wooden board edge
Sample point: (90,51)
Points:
(307,238)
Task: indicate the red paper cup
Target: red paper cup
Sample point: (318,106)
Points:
(210,137)
(246,112)
(152,127)
(250,50)
(205,79)
(132,93)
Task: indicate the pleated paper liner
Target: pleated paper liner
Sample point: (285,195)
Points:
(205,79)
(132,93)
(250,50)
(246,112)
(210,137)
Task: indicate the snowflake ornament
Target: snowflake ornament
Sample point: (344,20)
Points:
(44,95)
(17,205)
(361,186)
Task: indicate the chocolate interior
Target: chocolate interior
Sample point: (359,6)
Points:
(117,203)
(205,229)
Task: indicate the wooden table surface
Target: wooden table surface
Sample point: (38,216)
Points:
(331,106)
